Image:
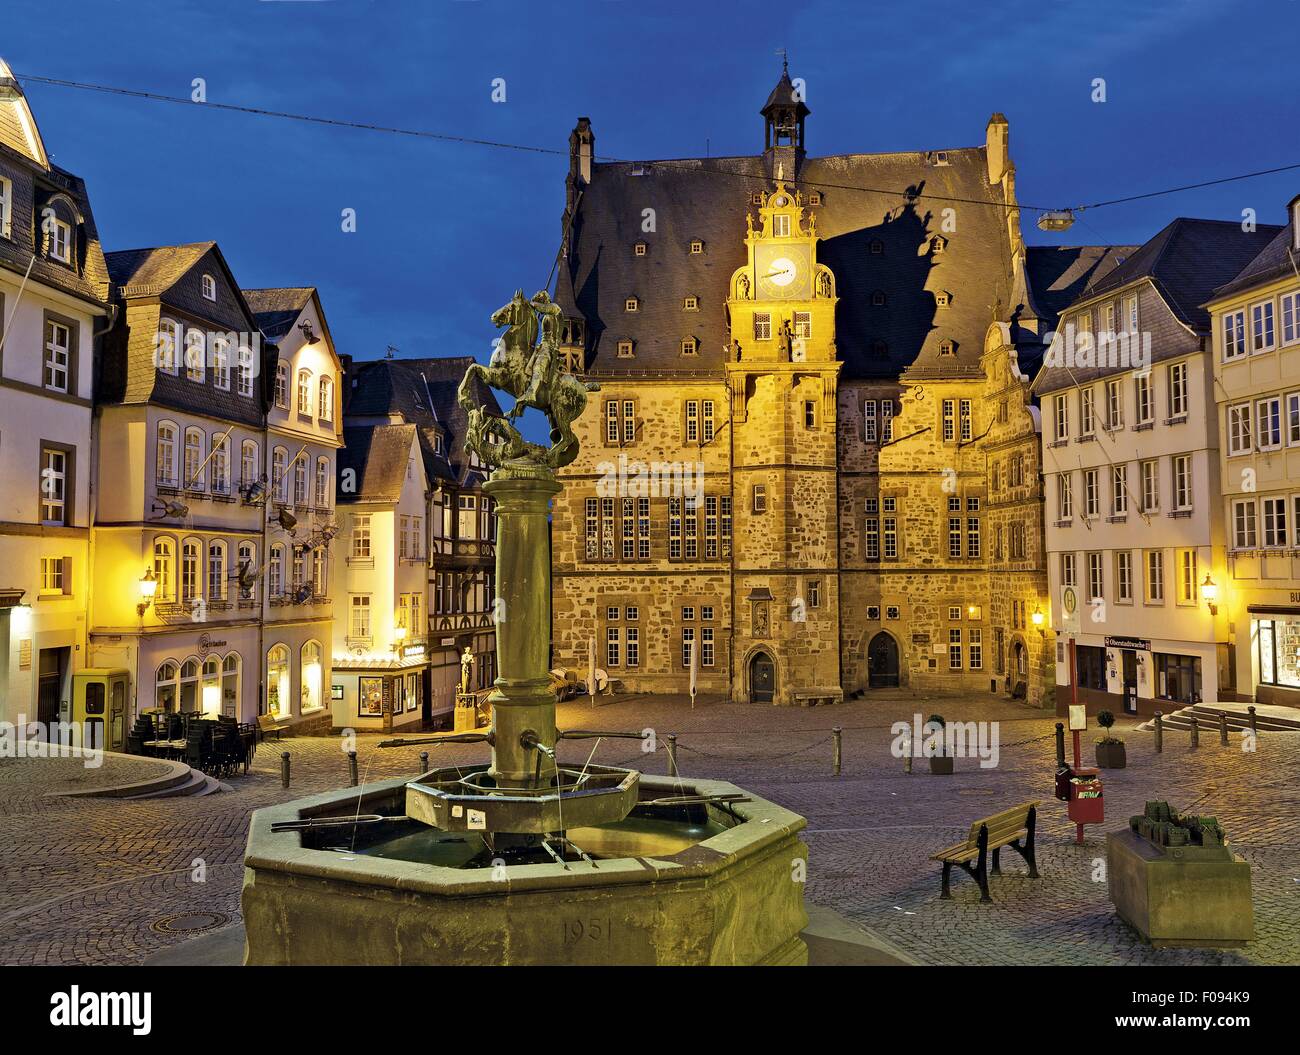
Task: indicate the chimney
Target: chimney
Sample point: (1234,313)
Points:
(582,148)
(996,135)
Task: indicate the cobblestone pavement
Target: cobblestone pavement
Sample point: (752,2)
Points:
(98,881)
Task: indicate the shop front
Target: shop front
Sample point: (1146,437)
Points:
(1275,661)
(376,693)
(1139,676)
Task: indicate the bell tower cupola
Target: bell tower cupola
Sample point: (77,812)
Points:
(783,125)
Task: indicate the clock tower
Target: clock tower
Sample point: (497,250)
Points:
(782,375)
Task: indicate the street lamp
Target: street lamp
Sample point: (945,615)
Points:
(1038,618)
(1210,591)
(148,587)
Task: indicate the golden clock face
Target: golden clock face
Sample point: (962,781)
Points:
(784,272)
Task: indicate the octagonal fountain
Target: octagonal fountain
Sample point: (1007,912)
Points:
(525,859)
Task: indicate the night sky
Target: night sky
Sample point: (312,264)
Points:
(1195,90)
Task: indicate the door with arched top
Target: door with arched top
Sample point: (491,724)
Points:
(882,661)
(762,678)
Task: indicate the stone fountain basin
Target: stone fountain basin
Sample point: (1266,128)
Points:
(735,897)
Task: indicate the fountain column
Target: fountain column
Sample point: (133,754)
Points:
(522,699)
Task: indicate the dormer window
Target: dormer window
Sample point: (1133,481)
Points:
(691,304)
(943,298)
(877,247)
(938,243)
(878,298)
(690,346)
(6,206)
(632,304)
(814,197)
(208,285)
(625,349)
(60,244)
(639,249)
(880,349)
(756,199)
(947,348)
(697,247)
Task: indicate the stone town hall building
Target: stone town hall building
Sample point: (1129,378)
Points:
(841,348)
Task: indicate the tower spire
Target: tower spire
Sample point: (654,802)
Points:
(783,122)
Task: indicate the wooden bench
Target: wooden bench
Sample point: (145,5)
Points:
(268,723)
(1013,827)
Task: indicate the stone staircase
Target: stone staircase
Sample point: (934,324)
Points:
(1268,719)
(179,781)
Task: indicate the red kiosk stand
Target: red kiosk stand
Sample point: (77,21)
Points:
(1076,786)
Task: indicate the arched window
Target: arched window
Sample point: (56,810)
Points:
(165,686)
(282,385)
(209,287)
(275,571)
(210,697)
(310,675)
(230,685)
(244,371)
(196,347)
(164,569)
(216,571)
(247,569)
(165,352)
(221,363)
(299,567)
(320,574)
(280,474)
(300,481)
(59,230)
(193,469)
(190,569)
(165,455)
(248,463)
(189,685)
(322,483)
(304,393)
(326,399)
(220,465)
(277,682)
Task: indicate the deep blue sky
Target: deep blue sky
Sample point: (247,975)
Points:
(1196,89)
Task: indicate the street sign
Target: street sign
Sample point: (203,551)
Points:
(1069,611)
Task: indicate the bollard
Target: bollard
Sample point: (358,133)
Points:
(672,754)
(1196,732)
(1254,729)
(1160,732)
(1060,744)
(838,734)
(352,769)
(284,769)
(1223,727)
(424,761)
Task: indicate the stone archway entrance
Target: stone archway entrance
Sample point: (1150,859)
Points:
(762,678)
(882,661)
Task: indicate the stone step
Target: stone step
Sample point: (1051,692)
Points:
(1207,716)
(198,784)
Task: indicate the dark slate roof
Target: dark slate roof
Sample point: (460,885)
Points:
(276,310)
(1058,275)
(423,393)
(151,271)
(378,454)
(709,198)
(783,96)
(1186,261)
(1274,261)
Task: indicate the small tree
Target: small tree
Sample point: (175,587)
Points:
(936,724)
(1106,719)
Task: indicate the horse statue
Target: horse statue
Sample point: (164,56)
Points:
(530,371)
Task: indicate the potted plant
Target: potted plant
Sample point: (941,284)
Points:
(940,763)
(1110,749)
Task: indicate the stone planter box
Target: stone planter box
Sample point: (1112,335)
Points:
(1184,896)
(734,898)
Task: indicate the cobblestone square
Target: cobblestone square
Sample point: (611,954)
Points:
(99,881)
